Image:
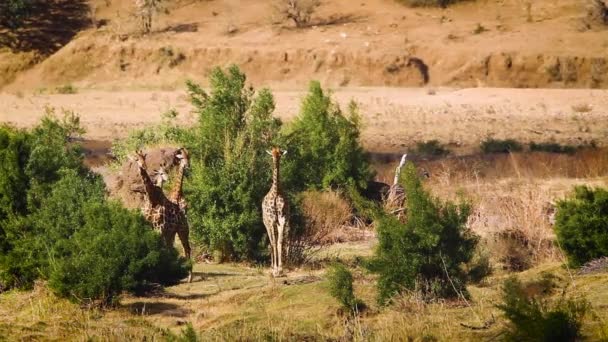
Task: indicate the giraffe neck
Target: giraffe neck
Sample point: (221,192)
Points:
(398,169)
(276,185)
(148,185)
(176,192)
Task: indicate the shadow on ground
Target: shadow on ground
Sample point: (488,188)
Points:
(50,25)
(158,308)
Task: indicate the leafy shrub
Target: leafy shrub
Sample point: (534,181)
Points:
(115,250)
(31,162)
(552,148)
(230,172)
(14,12)
(431,148)
(341,287)
(165,133)
(492,145)
(533,318)
(427,252)
(324,147)
(57,224)
(581,225)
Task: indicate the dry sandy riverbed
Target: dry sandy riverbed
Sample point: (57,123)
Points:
(392,117)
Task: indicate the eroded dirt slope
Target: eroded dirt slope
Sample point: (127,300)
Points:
(362,43)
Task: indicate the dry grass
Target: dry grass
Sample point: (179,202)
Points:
(511,195)
(329,218)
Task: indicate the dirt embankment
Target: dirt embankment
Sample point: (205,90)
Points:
(375,43)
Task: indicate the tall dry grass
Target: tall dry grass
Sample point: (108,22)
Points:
(512,195)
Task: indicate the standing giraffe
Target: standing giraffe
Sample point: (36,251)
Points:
(275,212)
(165,216)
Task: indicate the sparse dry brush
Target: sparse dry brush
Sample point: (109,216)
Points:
(298,11)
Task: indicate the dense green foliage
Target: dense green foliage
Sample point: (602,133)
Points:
(341,287)
(165,133)
(492,145)
(324,147)
(552,148)
(581,225)
(13,12)
(533,318)
(114,250)
(230,171)
(427,252)
(56,224)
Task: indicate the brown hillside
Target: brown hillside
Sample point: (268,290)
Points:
(363,43)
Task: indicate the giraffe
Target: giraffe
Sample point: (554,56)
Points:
(166,216)
(396,193)
(177,195)
(152,208)
(275,212)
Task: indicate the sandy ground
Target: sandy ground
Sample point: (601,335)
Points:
(392,117)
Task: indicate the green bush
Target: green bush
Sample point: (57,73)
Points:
(115,250)
(230,170)
(165,133)
(492,145)
(533,318)
(427,252)
(430,148)
(324,148)
(341,287)
(56,223)
(14,12)
(581,225)
(30,163)
(552,148)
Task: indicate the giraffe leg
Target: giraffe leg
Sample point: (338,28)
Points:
(273,247)
(280,233)
(183,234)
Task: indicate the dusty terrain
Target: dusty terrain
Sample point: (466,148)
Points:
(485,68)
(368,43)
(393,118)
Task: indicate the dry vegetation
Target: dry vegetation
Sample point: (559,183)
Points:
(512,194)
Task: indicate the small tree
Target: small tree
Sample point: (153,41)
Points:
(581,225)
(324,146)
(230,172)
(428,251)
(341,287)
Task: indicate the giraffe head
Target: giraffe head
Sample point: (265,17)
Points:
(140,158)
(276,153)
(160,176)
(182,158)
